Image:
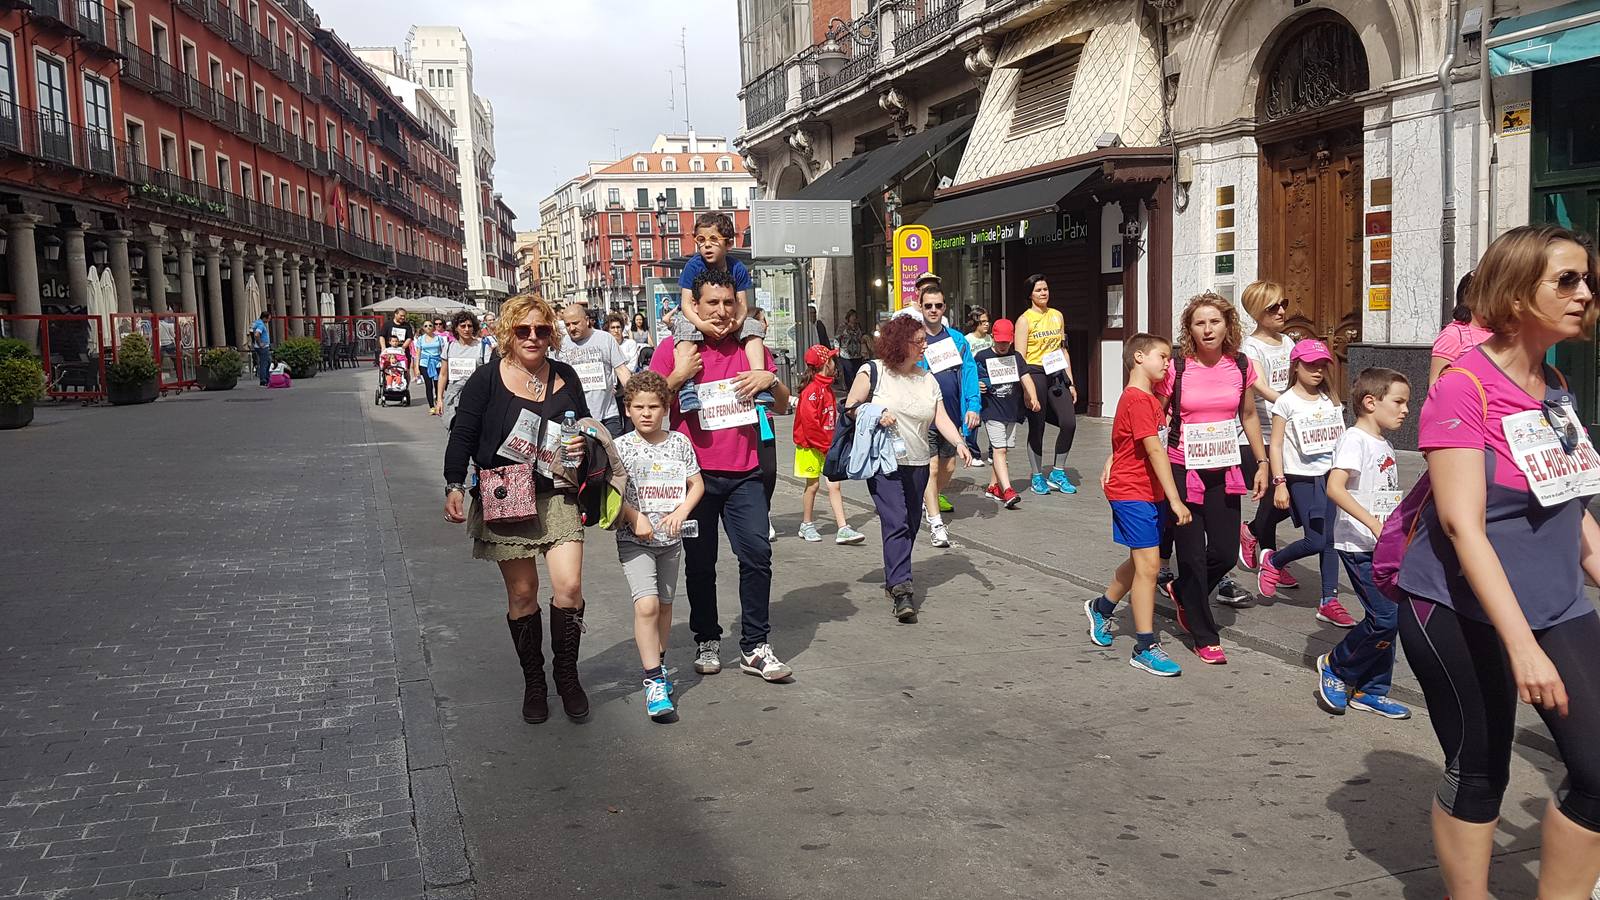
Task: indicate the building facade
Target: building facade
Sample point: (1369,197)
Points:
(529,269)
(547,240)
(191,148)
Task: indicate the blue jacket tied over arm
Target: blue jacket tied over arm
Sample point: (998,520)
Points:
(959,385)
(872,451)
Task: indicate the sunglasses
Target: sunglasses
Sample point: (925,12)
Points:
(1282,306)
(542,332)
(1567,283)
(933,306)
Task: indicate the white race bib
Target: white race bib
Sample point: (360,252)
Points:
(592,373)
(398,334)
(1054,361)
(1382,504)
(548,454)
(1002,370)
(1554,476)
(662,488)
(942,355)
(721,407)
(1317,431)
(523,440)
(1278,374)
(462,367)
(1211,445)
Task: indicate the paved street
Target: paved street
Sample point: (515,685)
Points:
(253,661)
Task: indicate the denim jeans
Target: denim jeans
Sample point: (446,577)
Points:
(1309,496)
(898,497)
(1364,660)
(263,363)
(736,499)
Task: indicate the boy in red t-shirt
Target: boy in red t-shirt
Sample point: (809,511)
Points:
(815,417)
(1138,477)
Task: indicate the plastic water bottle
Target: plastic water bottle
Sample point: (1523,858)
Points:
(691,528)
(569,430)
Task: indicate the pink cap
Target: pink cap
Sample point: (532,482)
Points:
(1310,351)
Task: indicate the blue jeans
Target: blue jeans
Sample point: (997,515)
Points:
(1314,513)
(898,496)
(736,499)
(263,363)
(1365,658)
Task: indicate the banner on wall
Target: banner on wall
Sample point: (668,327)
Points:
(913,258)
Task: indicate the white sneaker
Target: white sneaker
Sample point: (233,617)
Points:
(708,658)
(941,536)
(762,661)
(772,533)
(808,532)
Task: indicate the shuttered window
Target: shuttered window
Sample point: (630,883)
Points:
(1045,91)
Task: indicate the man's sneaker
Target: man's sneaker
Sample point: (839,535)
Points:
(945,505)
(1038,485)
(996,493)
(1012,498)
(1230,594)
(1155,660)
(762,661)
(1333,612)
(1286,579)
(848,535)
(905,607)
(688,398)
(708,657)
(1099,626)
(1248,547)
(657,700)
(1267,579)
(1212,655)
(1383,706)
(1058,480)
(941,535)
(808,531)
(1332,695)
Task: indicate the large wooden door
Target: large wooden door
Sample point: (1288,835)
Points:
(1311,236)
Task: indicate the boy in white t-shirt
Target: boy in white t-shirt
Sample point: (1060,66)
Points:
(1365,484)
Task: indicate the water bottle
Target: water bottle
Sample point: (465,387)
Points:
(569,430)
(691,528)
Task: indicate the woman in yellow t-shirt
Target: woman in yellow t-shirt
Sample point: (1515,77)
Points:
(1041,339)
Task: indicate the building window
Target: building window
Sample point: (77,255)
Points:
(158,41)
(224,174)
(618,248)
(294,121)
(52,77)
(755,193)
(277,111)
(672,198)
(644,223)
(613,196)
(127,29)
(316,207)
(640,164)
(266,188)
(431,81)
(641,199)
(247,181)
(727,198)
(724,164)
(169,153)
(668,164)
(647,248)
(215,65)
(261,101)
(699,198)
(283,194)
(614,223)
(1045,90)
(187,57)
(672,224)
(272,30)
(300,200)
(449,78)
(697,165)
(197,163)
(96,106)
(674,247)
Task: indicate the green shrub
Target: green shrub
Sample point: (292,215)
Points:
(302,355)
(11,348)
(21,380)
(134,365)
(222,363)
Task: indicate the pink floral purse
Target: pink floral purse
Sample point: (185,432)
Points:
(507,494)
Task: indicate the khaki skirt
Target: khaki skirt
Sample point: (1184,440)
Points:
(557,523)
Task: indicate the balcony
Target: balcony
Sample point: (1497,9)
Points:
(51,138)
(144,71)
(213,18)
(199,9)
(766,97)
(930,20)
(409,264)
(56,14)
(92,25)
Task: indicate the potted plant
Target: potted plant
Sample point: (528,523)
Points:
(220,368)
(303,355)
(21,384)
(132,378)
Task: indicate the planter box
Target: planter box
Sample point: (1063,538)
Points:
(15,415)
(298,374)
(210,382)
(128,395)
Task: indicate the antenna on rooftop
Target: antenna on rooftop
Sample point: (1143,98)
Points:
(683,45)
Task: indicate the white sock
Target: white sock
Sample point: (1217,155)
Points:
(935,520)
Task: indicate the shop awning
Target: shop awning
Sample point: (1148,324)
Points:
(1018,201)
(1552,37)
(871,173)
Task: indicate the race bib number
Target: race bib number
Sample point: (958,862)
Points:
(398,334)
(661,489)
(721,406)
(593,375)
(942,356)
(1003,370)
(1317,431)
(1382,504)
(1554,476)
(1054,361)
(523,440)
(547,455)
(1278,374)
(462,367)
(1211,445)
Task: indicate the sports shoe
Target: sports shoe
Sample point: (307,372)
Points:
(772,533)
(1012,498)
(762,661)
(764,398)
(708,657)
(1286,579)
(1230,594)
(808,531)
(945,505)
(941,535)
(688,398)
(848,535)
(1212,655)
(657,701)
(905,608)
(1038,485)
(1383,706)
(1155,660)
(1164,583)
(1058,480)
(995,493)
(1332,695)
(1099,626)
(1333,612)
(1267,579)
(1248,547)
(666,675)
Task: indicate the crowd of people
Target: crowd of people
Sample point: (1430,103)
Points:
(1478,571)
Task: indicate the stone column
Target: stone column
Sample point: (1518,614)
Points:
(216,332)
(77,265)
(279,304)
(121,270)
(341,297)
(296,299)
(22,259)
(188,299)
(155,272)
(241,303)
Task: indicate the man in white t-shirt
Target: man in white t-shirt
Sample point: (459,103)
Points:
(599,363)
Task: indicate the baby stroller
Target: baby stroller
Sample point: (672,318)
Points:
(393,384)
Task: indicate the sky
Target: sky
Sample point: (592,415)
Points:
(562,74)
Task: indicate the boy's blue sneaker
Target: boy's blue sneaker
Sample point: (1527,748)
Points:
(688,397)
(764,398)
(1058,480)
(1332,695)
(1099,626)
(657,703)
(1039,485)
(666,675)
(1383,706)
(1155,660)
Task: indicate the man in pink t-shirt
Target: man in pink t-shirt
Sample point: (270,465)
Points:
(725,438)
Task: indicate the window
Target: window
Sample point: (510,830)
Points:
(449,78)
(614,223)
(1045,90)
(254,14)
(724,164)
(647,248)
(668,164)
(197,163)
(672,224)
(294,121)
(613,196)
(224,174)
(640,164)
(618,248)
(238,87)
(432,82)
(674,246)
(283,194)
(300,200)
(277,111)
(699,198)
(672,198)
(272,30)
(261,101)
(266,188)
(52,76)
(158,41)
(644,223)
(641,199)
(316,207)
(215,66)
(96,106)
(126,26)
(187,57)
(247,181)
(697,165)
(333,134)
(135,132)
(169,153)
(349,153)
(755,193)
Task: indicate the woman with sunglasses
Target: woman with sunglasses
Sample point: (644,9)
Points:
(430,352)
(462,357)
(1494,609)
(1042,341)
(526,393)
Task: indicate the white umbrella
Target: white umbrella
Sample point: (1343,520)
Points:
(252,298)
(325,302)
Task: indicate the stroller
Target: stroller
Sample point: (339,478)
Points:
(393,384)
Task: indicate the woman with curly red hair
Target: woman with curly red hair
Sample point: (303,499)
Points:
(905,398)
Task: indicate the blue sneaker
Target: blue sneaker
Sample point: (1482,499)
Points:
(1332,695)
(657,704)
(1383,706)
(1099,626)
(688,398)
(1155,660)
(1058,480)
(1039,485)
(764,398)
(666,675)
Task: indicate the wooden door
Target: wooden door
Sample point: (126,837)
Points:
(1311,237)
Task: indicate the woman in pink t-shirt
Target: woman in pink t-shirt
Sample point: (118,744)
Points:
(1207,408)
(1462,333)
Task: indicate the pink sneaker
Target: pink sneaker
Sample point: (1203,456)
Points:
(1333,612)
(1248,547)
(1212,656)
(1269,576)
(1286,579)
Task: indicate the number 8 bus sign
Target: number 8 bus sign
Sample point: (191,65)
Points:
(913,258)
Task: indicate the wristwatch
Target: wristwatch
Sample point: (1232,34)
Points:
(454,486)
(1279,479)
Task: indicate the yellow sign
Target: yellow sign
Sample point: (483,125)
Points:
(1516,118)
(1377,299)
(913,258)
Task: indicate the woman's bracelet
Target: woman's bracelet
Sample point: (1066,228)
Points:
(454,486)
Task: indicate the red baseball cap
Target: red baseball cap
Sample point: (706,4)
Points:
(1002,331)
(817,354)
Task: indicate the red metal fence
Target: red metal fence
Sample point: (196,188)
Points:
(72,348)
(345,340)
(174,339)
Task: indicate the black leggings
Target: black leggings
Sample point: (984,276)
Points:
(1055,407)
(1206,548)
(1472,700)
(767,456)
(432,384)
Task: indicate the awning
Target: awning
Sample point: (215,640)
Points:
(1013,202)
(1553,37)
(871,173)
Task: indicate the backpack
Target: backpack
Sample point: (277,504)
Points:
(836,464)
(1175,431)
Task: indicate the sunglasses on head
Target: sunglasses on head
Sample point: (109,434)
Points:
(542,332)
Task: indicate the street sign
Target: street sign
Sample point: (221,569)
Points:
(913,258)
